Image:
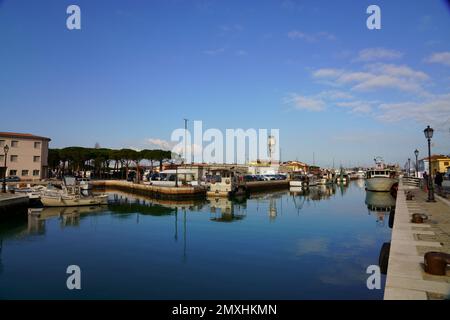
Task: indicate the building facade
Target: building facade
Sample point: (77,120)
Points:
(27,157)
(439,163)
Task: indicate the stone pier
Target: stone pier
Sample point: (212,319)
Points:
(406,278)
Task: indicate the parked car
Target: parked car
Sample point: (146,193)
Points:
(12,179)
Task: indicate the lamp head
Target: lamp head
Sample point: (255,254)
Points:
(428,132)
(6,149)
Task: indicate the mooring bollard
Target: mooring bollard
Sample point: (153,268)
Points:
(419,218)
(436,263)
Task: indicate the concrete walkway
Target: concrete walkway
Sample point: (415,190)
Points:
(406,278)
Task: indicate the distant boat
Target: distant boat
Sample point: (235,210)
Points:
(360,174)
(380,178)
(299,181)
(342,177)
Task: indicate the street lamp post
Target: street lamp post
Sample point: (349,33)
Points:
(416,153)
(5,149)
(429,134)
(409,166)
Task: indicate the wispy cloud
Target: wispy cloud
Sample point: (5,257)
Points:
(305,103)
(434,110)
(241,53)
(439,57)
(375,54)
(311,37)
(356,106)
(214,52)
(376,76)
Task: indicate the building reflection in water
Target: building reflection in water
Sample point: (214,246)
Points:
(380,204)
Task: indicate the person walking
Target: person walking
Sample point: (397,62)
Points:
(438,181)
(425,180)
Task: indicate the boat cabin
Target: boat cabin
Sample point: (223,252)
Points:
(383,173)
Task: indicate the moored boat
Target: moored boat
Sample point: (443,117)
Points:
(381,178)
(299,181)
(71,200)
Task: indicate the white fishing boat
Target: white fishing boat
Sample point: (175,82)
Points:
(299,181)
(380,178)
(70,196)
(71,200)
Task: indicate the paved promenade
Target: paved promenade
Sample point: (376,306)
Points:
(406,278)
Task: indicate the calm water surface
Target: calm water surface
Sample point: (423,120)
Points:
(280,245)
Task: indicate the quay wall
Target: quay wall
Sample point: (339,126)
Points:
(152,191)
(406,279)
(12,205)
(260,186)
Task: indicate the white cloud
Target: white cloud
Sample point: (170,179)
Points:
(327,73)
(376,76)
(311,37)
(306,103)
(399,71)
(160,143)
(373,54)
(434,110)
(439,57)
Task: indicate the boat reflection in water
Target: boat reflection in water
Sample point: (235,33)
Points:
(380,204)
(68,216)
(223,209)
(316,193)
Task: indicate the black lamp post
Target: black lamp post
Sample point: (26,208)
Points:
(429,134)
(416,153)
(5,149)
(409,166)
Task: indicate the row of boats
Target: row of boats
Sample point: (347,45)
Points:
(380,178)
(71,194)
(327,177)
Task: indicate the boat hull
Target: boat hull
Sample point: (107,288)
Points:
(380,183)
(73,202)
(298,184)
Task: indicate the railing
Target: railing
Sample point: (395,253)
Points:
(411,181)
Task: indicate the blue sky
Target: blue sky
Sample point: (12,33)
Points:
(310,68)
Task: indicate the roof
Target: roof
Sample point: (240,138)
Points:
(436,157)
(22,136)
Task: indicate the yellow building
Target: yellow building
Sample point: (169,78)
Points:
(440,163)
(293,166)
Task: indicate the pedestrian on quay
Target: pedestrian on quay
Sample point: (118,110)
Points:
(425,180)
(438,180)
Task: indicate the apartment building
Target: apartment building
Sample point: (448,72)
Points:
(27,157)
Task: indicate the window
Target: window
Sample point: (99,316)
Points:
(13,172)
(24,173)
(14,143)
(36,158)
(2,143)
(2,159)
(37,145)
(13,158)
(35,173)
(446,163)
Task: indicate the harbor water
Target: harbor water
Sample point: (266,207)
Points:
(289,244)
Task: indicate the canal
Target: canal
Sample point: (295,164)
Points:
(279,245)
